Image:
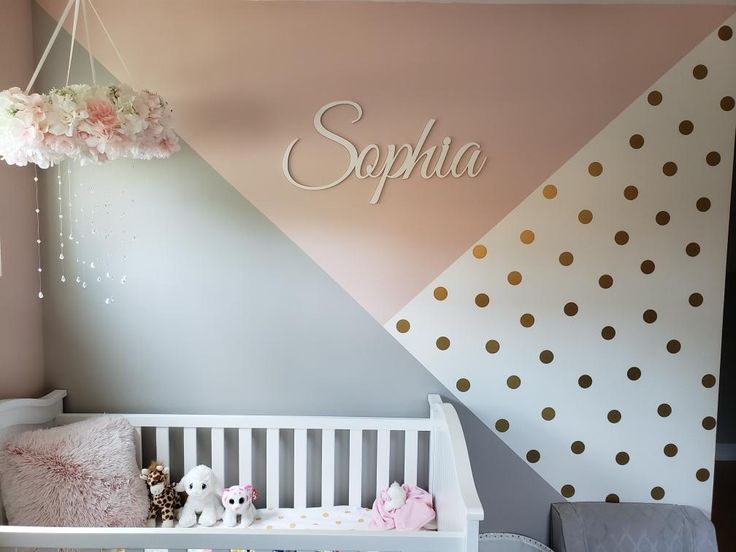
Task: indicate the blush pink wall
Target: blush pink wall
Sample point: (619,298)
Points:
(21,360)
(531,83)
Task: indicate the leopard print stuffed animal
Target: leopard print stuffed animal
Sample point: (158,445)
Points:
(164,498)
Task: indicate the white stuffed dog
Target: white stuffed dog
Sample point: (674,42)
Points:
(204,490)
(238,501)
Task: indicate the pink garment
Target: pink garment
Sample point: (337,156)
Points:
(412,516)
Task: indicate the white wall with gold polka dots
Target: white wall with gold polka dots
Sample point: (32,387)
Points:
(585,327)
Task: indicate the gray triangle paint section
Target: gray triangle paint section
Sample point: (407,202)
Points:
(222,313)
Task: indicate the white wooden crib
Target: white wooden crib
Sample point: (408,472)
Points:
(400,446)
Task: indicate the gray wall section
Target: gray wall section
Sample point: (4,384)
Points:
(222,313)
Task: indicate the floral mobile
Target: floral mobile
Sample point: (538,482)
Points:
(89,123)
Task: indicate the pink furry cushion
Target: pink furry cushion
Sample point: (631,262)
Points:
(83,474)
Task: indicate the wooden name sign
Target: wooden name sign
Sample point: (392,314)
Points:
(370,162)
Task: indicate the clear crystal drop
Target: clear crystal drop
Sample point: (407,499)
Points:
(38,211)
(107,301)
(40,269)
(78,279)
(71,237)
(61,256)
(84,285)
(35,179)
(99,278)
(92,264)
(38,242)
(40,294)
(63,279)
(107,274)
(123,279)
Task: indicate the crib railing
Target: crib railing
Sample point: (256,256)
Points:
(352,458)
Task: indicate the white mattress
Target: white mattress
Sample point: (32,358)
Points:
(342,518)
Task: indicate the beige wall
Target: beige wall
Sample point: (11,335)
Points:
(21,360)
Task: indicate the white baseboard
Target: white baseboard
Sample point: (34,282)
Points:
(725,451)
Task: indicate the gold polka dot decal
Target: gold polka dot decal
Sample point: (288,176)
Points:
(686,127)
(526,237)
(709,422)
(670,450)
(669,168)
(443,343)
(650,316)
(725,33)
(608,333)
(695,299)
(548,413)
(647,266)
(568,491)
(546,357)
(614,416)
(636,141)
(708,381)
(692,249)
(713,158)
(613,498)
(631,192)
(702,475)
(585,381)
(527,320)
(463,385)
(662,218)
(657,493)
(480,251)
(727,103)
(621,237)
(664,410)
(673,346)
(585,216)
(502,425)
(513,382)
(633,373)
(605,281)
(570,309)
(622,458)
(703,204)
(654,97)
(533,456)
(566,258)
(403,326)
(514,278)
(550,191)
(440,293)
(493,346)
(700,71)
(482,300)
(577,447)
(595,169)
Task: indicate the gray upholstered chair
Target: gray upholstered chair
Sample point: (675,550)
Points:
(604,527)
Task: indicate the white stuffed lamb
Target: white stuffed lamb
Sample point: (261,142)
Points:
(204,490)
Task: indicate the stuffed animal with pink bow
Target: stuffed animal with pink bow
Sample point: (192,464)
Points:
(238,501)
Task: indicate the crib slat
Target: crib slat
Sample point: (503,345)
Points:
(383,459)
(162,446)
(218,452)
(411,448)
(245,440)
(300,468)
(138,446)
(190,448)
(328,467)
(356,465)
(272,468)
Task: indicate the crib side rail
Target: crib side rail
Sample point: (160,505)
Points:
(350,458)
(451,478)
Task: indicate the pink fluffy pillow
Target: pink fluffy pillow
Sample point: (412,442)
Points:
(83,474)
